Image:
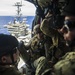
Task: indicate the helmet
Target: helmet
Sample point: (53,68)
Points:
(36,29)
(43,3)
(69,9)
(7,44)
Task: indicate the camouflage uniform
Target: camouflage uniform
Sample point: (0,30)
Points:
(37,48)
(66,66)
(44,3)
(56,51)
(59,48)
(42,66)
(9,71)
(40,59)
(9,48)
(38,45)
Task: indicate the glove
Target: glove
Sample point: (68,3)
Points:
(25,56)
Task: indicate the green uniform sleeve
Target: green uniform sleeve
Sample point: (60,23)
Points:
(24,54)
(66,66)
(9,71)
(47,29)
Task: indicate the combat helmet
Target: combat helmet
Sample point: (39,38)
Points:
(8,44)
(69,9)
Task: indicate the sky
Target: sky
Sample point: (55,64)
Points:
(7,8)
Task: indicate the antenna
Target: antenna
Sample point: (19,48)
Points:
(18,5)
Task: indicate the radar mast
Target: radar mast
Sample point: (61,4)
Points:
(19,14)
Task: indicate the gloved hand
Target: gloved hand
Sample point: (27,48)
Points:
(25,56)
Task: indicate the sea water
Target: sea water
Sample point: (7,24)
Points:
(4,20)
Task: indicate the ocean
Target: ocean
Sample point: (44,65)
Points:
(4,20)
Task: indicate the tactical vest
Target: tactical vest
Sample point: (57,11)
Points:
(37,48)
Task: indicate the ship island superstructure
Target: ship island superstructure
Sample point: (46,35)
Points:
(19,28)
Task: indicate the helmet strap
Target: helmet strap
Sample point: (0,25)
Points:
(12,63)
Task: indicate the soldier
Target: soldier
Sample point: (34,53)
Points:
(36,50)
(58,48)
(40,41)
(37,44)
(9,55)
(66,66)
(55,51)
(52,28)
(43,4)
(44,42)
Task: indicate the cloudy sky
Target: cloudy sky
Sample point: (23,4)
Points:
(7,7)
